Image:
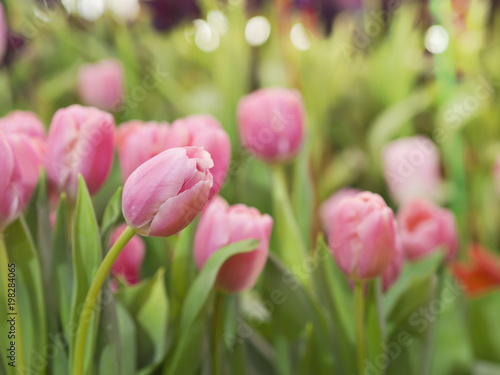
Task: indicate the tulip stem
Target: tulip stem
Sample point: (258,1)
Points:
(90,299)
(360,328)
(217,331)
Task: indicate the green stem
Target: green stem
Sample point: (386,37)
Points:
(360,328)
(217,332)
(91,298)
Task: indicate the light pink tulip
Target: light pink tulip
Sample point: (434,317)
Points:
(138,142)
(271,123)
(25,123)
(3,33)
(20,170)
(426,228)
(129,262)
(330,207)
(165,194)
(102,84)
(412,168)
(221,225)
(204,131)
(393,270)
(363,237)
(80,141)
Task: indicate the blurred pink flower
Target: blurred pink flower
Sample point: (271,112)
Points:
(27,124)
(426,228)
(412,168)
(102,84)
(271,123)
(165,194)
(329,208)
(80,141)
(221,225)
(129,262)
(363,236)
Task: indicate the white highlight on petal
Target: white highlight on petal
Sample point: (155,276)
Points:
(257,31)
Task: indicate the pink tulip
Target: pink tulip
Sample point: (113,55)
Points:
(165,194)
(329,208)
(221,225)
(3,33)
(393,270)
(20,170)
(138,142)
(80,141)
(271,123)
(25,123)
(363,237)
(102,84)
(412,168)
(205,131)
(128,264)
(426,228)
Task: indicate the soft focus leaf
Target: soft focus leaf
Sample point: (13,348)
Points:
(112,213)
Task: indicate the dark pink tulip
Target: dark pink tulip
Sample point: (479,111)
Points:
(330,207)
(204,131)
(20,170)
(102,84)
(138,142)
(221,225)
(412,168)
(165,194)
(129,262)
(271,123)
(3,33)
(363,237)
(426,228)
(80,141)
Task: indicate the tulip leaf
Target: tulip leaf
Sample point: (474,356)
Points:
(112,213)
(303,195)
(147,304)
(184,358)
(29,297)
(86,257)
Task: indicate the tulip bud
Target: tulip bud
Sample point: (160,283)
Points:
(3,33)
(80,141)
(330,207)
(412,168)
(128,264)
(102,84)
(165,194)
(138,142)
(204,131)
(425,228)
(221,225)
(20,170)
(363,237)
(25,123)
(271,123)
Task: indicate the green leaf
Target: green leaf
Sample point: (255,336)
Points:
(184,358)
(86,257)
(303,195)
(147,304)
(374,334)
(112,213)
(29,296)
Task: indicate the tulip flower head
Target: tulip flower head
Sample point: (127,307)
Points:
(204,131)
(165,194)
(128,264)
(425,228)
(481,273)
(27,124)
(138,142)
(271,123)
(221,225)
(80,141)
(102,84)
(329,208)
(363,236)
(412,168)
